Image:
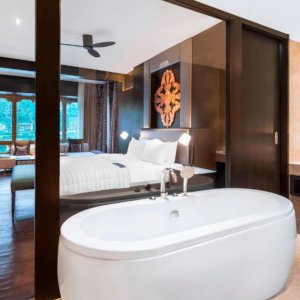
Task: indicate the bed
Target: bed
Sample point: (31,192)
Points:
(89,177)
(82,174)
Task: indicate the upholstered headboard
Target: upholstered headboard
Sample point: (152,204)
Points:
(169,135)
(203,144)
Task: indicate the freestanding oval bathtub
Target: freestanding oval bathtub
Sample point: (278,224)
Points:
(219,244)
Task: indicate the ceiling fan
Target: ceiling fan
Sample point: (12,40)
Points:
(89,46)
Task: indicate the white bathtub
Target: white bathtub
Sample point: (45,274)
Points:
(225,244)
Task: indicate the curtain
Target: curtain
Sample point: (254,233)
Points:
(101,116)
(81,109)
(101,120)
(113,139)
(90,117)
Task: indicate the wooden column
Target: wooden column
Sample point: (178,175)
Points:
(47,212)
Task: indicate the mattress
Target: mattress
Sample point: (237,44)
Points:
(82,174)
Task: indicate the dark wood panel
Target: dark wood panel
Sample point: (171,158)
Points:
(18,64)
(209,47)
(255,158)
(208,106)
(47,209)
(15,84)
(131,108)
(233,85)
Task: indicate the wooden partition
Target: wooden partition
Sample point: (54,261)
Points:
(47,208)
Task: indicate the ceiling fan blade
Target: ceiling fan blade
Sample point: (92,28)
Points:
(103,44)
(93,52)
(72,45)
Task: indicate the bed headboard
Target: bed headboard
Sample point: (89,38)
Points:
(203,144)
(169,135)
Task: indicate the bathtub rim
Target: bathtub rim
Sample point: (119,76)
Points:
(86,245)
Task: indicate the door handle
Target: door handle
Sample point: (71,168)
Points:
(276,138)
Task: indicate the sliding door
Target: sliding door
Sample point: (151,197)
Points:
(255,120)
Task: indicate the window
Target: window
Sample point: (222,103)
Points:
(69,119)
(6,118)
(72,120)
(17,119)
(25,120)
(60,121)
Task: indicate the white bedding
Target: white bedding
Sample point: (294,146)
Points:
(82,174)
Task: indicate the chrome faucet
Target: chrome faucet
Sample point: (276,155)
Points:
(166,176)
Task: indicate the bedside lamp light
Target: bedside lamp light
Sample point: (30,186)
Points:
(185,139)
(124,135)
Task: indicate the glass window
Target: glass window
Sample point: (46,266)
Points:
(72,120)
(25,120)
(5,120)
(60,121)
(4,149)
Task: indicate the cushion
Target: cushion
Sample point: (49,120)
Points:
(23,177)
(155,151)
(75,145)
(32,149)
(21,147)
(136,148)
(172,151)
(21,150)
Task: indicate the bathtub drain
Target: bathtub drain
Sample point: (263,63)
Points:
(174,213)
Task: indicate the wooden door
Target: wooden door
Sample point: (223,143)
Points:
(255,119)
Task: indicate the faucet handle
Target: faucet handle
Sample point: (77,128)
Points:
(187,172)
(174,176)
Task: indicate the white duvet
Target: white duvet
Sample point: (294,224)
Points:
(82,174)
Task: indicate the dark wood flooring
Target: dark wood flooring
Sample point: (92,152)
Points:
(16,243)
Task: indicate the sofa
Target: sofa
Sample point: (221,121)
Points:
(9,161)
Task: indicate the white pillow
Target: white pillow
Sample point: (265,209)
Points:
(155,151)
(136,148)
(172,150)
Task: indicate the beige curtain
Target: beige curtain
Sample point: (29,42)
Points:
(113,139)
(90,117)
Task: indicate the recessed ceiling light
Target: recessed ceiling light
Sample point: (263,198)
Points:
(18,21)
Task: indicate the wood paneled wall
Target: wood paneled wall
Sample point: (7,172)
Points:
(209,81)
(131,108)
(16,84)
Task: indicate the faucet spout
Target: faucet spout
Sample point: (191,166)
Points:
(166,176)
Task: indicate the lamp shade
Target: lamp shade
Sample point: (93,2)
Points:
(185,139)
(124,135)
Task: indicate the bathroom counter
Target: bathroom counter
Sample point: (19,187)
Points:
(294,167)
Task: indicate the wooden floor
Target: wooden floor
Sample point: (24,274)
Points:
(16,244)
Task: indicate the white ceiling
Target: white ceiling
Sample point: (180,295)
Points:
(282,15)
(141,28)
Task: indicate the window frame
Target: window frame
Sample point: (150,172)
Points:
(14,99)
(65,101)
